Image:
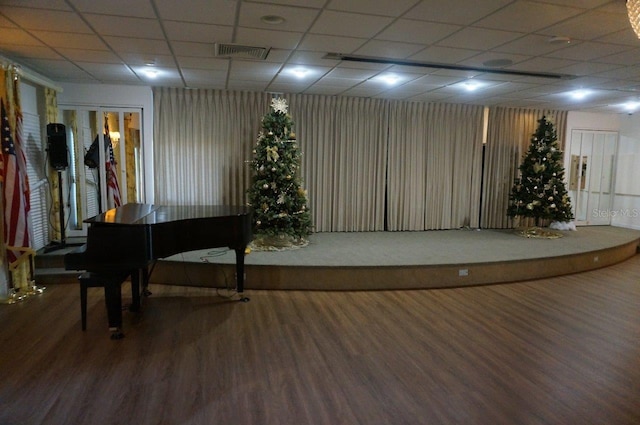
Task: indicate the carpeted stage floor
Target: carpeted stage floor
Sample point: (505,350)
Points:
(406,260)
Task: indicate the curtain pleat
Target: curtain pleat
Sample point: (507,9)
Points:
(202,144)
(343,142)
(435,160)
(508,136)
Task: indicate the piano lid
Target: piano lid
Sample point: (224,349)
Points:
(127,214)
(146,214)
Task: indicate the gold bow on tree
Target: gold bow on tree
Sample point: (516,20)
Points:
(272,154)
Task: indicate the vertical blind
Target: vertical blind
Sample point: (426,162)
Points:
(37,175)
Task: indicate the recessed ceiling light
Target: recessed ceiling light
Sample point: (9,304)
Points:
(471,85)
(390,79)
(299,72)
(579,94)
(273,19)
(150,72)
(631,106)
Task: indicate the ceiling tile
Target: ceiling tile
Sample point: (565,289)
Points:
(247,71)
(233,84)
(444,54)
(266,38)
(109,72)
(324,90)
(198,33)
(205,78)
(19,37)
(343,83)
(46,20)
(628,57)
(378,7)
(25,52)
(83,55)
(515,16)
(38,4)
(588,51)
(58,69)
(311,59)
(389,49)
(479,38)
(70,40)
(349,24)
(135,59)
(138,45)
(588,26)
(131,8)
(464,12)
(532,44)
(126,27)
(220,12)
(419,32)
(185,48)
(330,43)
(203,63)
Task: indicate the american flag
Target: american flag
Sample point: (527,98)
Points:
(16,190)
(113,189)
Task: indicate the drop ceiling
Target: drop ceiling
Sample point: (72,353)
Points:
(115,41)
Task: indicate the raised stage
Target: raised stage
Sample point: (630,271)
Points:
(405,260)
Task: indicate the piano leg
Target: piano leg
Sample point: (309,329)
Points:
(145,282)
(135,290)
(137,276)
(240,273)
(113,299)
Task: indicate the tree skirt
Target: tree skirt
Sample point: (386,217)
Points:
(539,233)
(277,243)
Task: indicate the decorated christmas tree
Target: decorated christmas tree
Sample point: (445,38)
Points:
(281,216)
(540,191)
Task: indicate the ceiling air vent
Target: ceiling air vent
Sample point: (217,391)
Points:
(228,50)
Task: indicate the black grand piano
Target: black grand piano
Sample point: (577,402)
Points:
(124,241)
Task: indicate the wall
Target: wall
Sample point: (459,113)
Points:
(626,205)
(123,97)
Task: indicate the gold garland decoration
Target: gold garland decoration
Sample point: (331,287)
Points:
(538,233)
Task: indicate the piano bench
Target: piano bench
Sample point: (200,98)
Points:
(93,280)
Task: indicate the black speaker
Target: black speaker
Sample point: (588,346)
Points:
(57,146)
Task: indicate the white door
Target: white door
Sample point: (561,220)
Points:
(591,171)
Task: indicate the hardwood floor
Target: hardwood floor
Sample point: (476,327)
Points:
(563,350)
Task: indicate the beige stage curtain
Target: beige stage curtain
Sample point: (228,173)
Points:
(203,141)
(508,137)
(343,140)
(435,162)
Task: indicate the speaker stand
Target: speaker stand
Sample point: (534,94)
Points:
(56,245)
